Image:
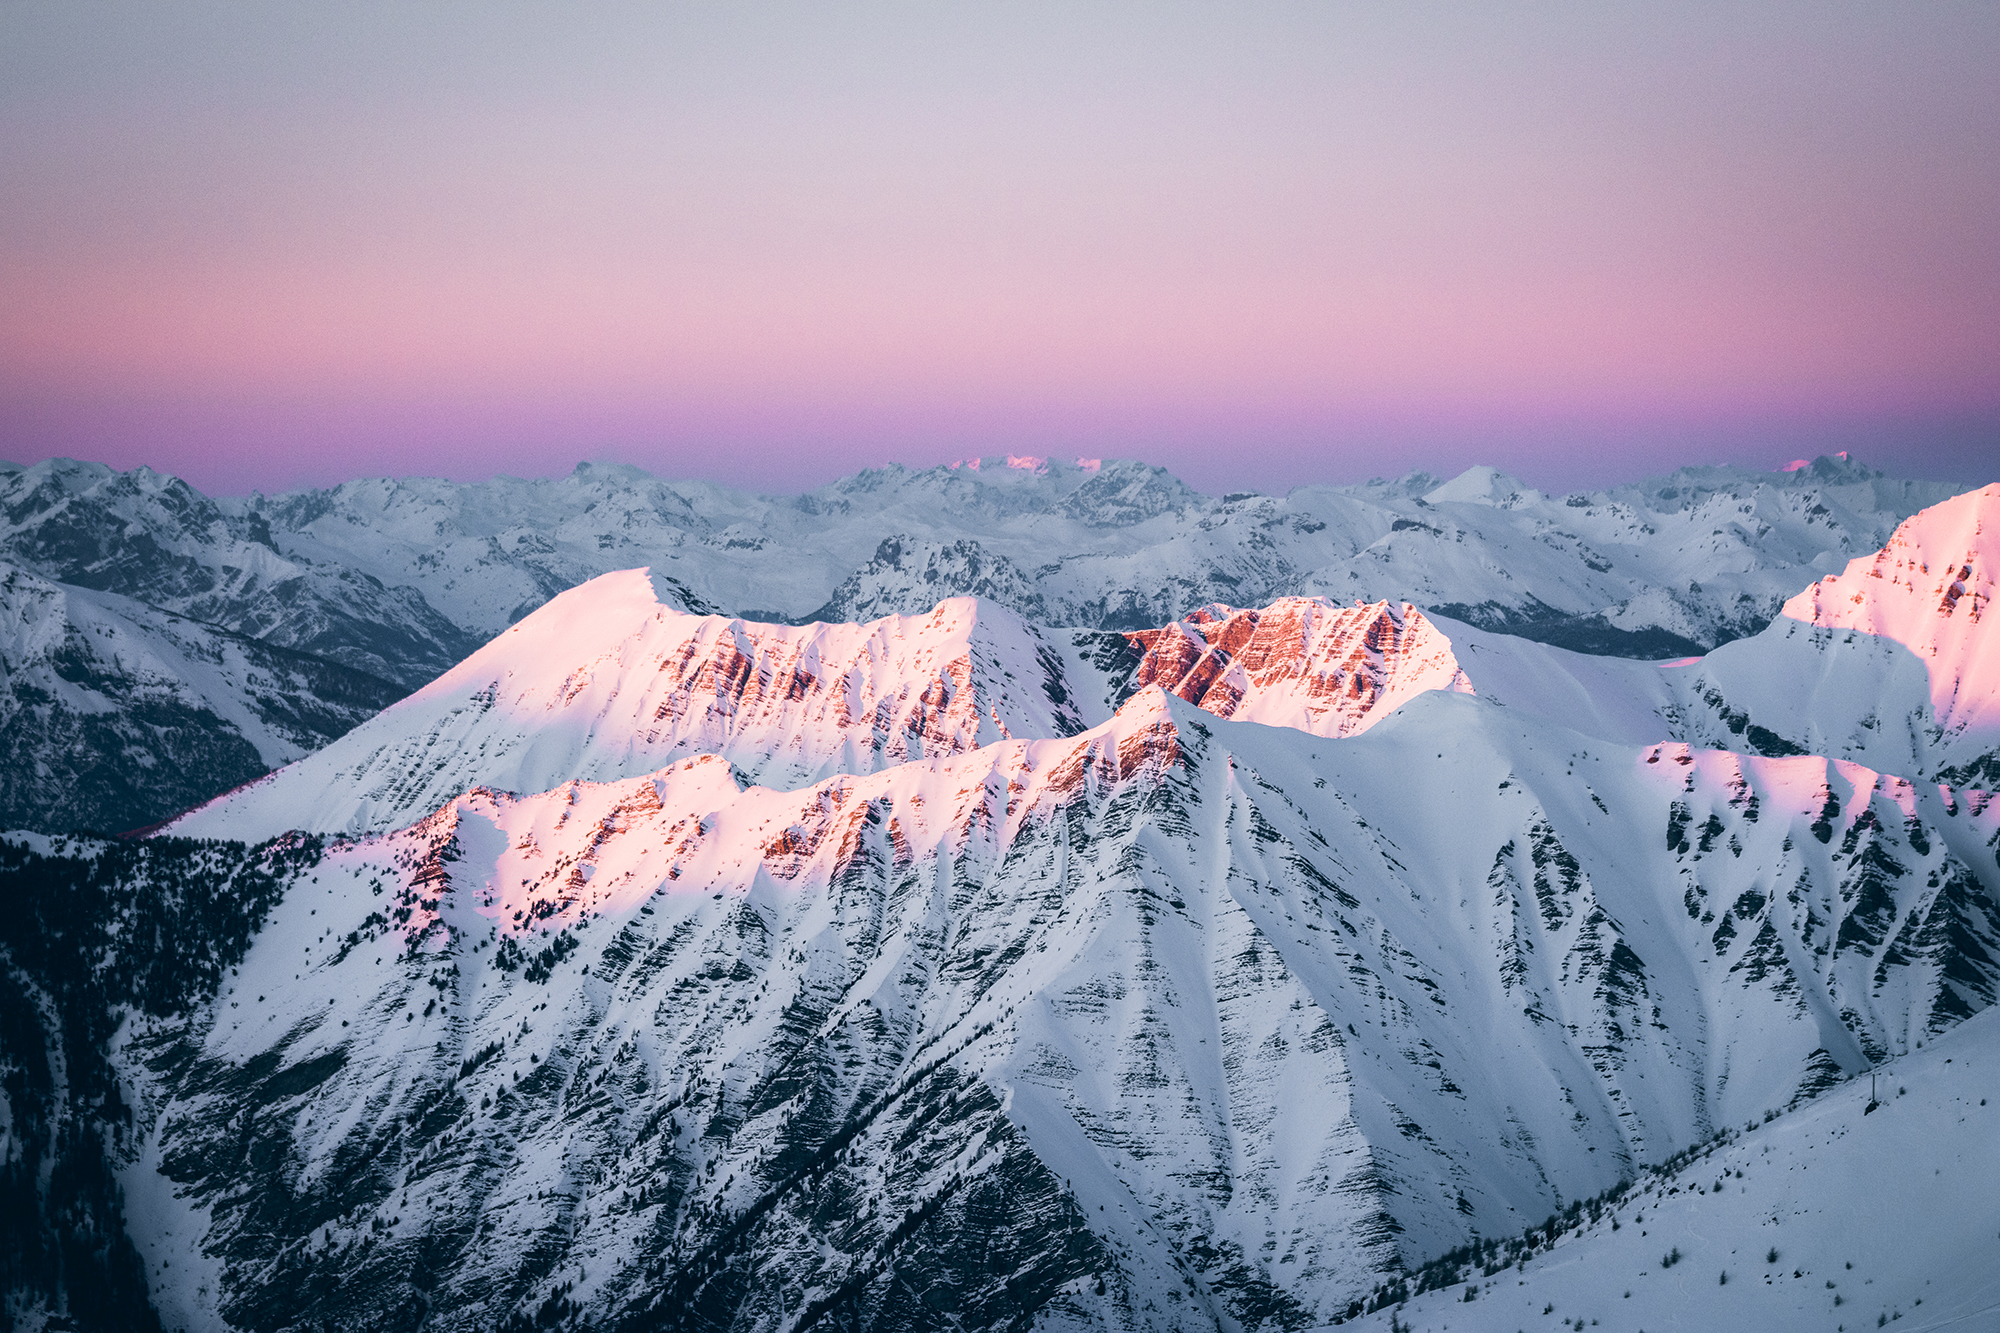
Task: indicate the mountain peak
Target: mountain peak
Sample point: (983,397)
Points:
(1301,662)
(1483,485)
(1837,467)
(1928,589)
(607,681)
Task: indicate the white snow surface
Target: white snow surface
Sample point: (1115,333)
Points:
(1890,1215)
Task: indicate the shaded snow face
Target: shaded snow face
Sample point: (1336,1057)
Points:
(115,715)
(1175,1020)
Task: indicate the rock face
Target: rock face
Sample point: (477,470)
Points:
(1300,662)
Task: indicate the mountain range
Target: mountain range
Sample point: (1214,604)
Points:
(399,579)
(943,956)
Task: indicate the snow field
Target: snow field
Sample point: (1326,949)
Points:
(1883,1219)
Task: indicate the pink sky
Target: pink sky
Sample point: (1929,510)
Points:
(770,245)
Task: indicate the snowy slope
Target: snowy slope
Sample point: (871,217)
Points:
(157,540)
(1828,1217)
(1787,690)
(606,682)
(115,715)
(1178,1022)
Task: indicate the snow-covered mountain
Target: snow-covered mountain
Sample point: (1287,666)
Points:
(1658,568)
(607,681)
(1887,664)
(157,540)
(1224,1018)
(659,968)
(390,568)
(114,714)
(402,578)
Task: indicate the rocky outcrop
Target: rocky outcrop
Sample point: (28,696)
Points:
(1300,662)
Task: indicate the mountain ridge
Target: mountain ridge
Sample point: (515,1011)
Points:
(403,578)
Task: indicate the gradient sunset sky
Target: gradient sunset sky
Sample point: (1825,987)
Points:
(266,245)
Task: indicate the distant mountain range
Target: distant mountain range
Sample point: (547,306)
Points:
(1249,967)
(388,583)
